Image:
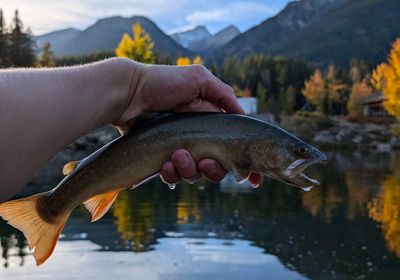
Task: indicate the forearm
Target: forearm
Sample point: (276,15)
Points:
(44,110)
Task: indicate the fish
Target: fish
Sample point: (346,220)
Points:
(241,144)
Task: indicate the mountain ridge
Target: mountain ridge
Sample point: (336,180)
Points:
(207,45)
(323,31)
(105,34)
(191,36)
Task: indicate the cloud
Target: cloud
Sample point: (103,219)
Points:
(243,14)
(235,12)
(48,15)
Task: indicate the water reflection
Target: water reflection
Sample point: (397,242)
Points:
(135,224)
(348,227)
(385,209)
(12,243)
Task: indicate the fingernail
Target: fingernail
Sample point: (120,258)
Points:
(214,169)
(183,160)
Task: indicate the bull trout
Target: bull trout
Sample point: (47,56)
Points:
(239,143)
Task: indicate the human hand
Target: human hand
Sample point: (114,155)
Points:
(182,89)
(191,88)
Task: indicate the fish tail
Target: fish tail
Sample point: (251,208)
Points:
(41,235)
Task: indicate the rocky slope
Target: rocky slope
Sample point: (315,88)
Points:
(191,36)
(206,46)
(324,31)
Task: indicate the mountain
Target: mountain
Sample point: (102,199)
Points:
(57,38)
(209,44)
(191,36)
(105,35)
(324,31)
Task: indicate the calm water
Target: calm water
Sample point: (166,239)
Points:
(349,228)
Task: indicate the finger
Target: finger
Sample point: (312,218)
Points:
(255,179)
(198,105)
(214,90)
(221,94)
(168,173)
(212,170)
(184,164)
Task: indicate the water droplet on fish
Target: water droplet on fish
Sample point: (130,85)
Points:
(171,186)
(191,181)
(307,189)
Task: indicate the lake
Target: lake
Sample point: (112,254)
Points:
(348,228)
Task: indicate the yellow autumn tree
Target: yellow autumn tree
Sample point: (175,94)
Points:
(239,92)
(314,90)
(378,77)
(334,86)
(359,92)
(139,47)
(183,61)
(323,91)
(386,78)
(198,60)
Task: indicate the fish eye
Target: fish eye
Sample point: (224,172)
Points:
(302,151)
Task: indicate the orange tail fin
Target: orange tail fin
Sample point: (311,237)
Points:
(41,235)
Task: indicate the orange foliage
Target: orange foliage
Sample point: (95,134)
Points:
(359,92)
(314,88)
(386,210)
(386,78)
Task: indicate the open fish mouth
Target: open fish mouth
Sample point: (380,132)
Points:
(293,174)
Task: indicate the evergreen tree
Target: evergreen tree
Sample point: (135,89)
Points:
(47,57)
(334,88)
(21,51)
(288,100)
(165,59)
(229,71)
(81,59)
(214,69)
(3,42)
(139,47)
(261,98)
(362,66)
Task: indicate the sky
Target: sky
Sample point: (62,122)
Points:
(171,16)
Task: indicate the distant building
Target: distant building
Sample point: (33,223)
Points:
(373,105)
(249,105)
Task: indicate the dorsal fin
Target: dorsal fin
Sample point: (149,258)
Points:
(144,120)
(148,119)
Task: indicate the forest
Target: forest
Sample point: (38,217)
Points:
(282,86)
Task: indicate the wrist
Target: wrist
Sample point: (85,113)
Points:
(117,79)
(133,73)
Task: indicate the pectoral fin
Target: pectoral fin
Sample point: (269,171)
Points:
(99,204)
(69,167)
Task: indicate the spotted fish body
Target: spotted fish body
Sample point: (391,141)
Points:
(240,144)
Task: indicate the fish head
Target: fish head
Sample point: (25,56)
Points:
(284,157)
